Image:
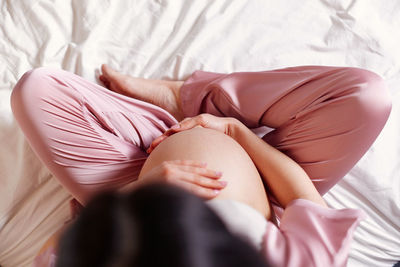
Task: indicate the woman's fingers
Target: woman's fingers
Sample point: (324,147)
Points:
(205,120)
(196,167)
(155,143)
(202,177)
(162,137)
(202,171)
(206,182)
(105,81)
(191,175)
(200,191)
(186,124)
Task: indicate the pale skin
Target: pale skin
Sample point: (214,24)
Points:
(286,179)
(225,159)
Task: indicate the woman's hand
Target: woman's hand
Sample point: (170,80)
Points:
(187,174)
(221,124)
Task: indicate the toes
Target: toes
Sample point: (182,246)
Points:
(104,68)
(109,76)
(108,72)
(105,81)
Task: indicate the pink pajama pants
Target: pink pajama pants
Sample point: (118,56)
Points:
(91,138)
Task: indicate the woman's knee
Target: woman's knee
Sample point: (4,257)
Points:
(371,99)
(29,86)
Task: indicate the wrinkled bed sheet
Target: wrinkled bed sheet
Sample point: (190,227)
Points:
(171,39)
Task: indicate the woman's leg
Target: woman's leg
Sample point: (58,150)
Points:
(89,137)
(325,118)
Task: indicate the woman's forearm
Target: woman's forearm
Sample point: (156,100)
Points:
(285,178)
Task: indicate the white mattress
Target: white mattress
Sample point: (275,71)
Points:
(171,39)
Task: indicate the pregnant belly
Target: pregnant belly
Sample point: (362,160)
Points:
(222,153)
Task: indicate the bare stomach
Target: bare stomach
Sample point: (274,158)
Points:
(222,153)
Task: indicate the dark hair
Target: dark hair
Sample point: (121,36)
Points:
(155,225)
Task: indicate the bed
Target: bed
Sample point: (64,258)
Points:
(171,39)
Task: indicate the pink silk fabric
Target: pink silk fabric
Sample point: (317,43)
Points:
(311,235)
(325,118)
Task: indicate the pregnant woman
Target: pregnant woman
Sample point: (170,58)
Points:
(323,119)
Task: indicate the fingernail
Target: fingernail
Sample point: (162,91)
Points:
(216,192)
(218,173)
(223,183)
(176,126)
(203,164)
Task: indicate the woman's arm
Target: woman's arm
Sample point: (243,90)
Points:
(191,175)
(286,179)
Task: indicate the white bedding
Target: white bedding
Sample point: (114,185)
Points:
(171,39)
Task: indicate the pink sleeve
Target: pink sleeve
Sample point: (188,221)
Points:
(311,235)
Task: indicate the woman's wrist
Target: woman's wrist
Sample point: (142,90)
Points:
(236,127)
(285,177)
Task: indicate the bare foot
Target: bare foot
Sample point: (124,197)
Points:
(164,94)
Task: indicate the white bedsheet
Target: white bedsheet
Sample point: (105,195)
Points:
(171,39)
